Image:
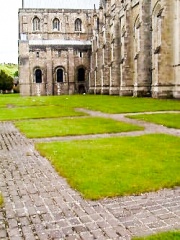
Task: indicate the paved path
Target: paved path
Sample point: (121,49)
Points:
(40,205)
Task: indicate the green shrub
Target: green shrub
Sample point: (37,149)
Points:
(6,82)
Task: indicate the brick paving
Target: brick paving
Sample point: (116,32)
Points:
(40,205)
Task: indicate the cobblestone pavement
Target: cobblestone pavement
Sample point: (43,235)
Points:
(40,205)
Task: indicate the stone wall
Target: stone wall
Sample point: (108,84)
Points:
(141,48)
(126,48)
(53,42)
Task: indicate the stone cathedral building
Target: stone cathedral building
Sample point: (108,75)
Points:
(122,47)
(54,50)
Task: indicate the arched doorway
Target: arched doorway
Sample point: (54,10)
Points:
(81,78)
(38,76)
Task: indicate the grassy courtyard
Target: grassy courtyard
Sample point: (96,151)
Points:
(103,103)
(117,166)
(171,120)
(72,126)
(101,167)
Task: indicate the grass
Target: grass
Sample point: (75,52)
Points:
(172,235)
(116,166)
(36,112)
(171,120)
(1,200)
(72,126)
(103,167)
(109,104)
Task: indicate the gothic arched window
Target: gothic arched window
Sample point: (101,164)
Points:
(157,28)
(78,25)
(56,24)
(123,33)
(137,36)
(36,24)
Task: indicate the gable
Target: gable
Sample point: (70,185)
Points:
(71,4)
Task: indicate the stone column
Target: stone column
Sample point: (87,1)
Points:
(144,64)
(126,64)
(70,84)
(115,70)
(105,66)
(165,81)
(176,63)
(24,71)
(49,82)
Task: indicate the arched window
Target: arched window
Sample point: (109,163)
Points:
(38,76)
(60,75)
(56,24)
(123,33)
(137,36)
(36,24)
(78,25)
(81,75)
(157,28)
(98,24)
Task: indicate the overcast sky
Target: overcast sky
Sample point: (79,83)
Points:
(9,31)
(9,22)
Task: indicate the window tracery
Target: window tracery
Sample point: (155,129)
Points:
(157,28)
(78,25)
(36,24)
(137,37)
(56,24)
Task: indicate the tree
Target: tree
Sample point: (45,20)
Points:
(16,74)
(6,82)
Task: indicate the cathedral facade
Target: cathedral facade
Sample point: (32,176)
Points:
(54,51)
(136,48)
(124,47)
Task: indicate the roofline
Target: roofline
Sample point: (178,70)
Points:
(59,42)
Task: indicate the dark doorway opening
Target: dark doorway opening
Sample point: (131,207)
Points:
(38,76)
(81,75)
(60,75)
(81,89)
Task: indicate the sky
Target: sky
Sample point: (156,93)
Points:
(86,4)
(9,31)
(9,23)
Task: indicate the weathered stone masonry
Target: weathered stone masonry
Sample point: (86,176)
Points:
(126,48)
(141,47)
(54,51)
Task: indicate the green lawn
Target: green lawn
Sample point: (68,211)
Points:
(36,112)
(103,167)
(171,120)
(72,126)
(104,103)
(116,166)
(174,235)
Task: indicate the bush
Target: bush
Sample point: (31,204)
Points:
(6,82)
(16,74)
